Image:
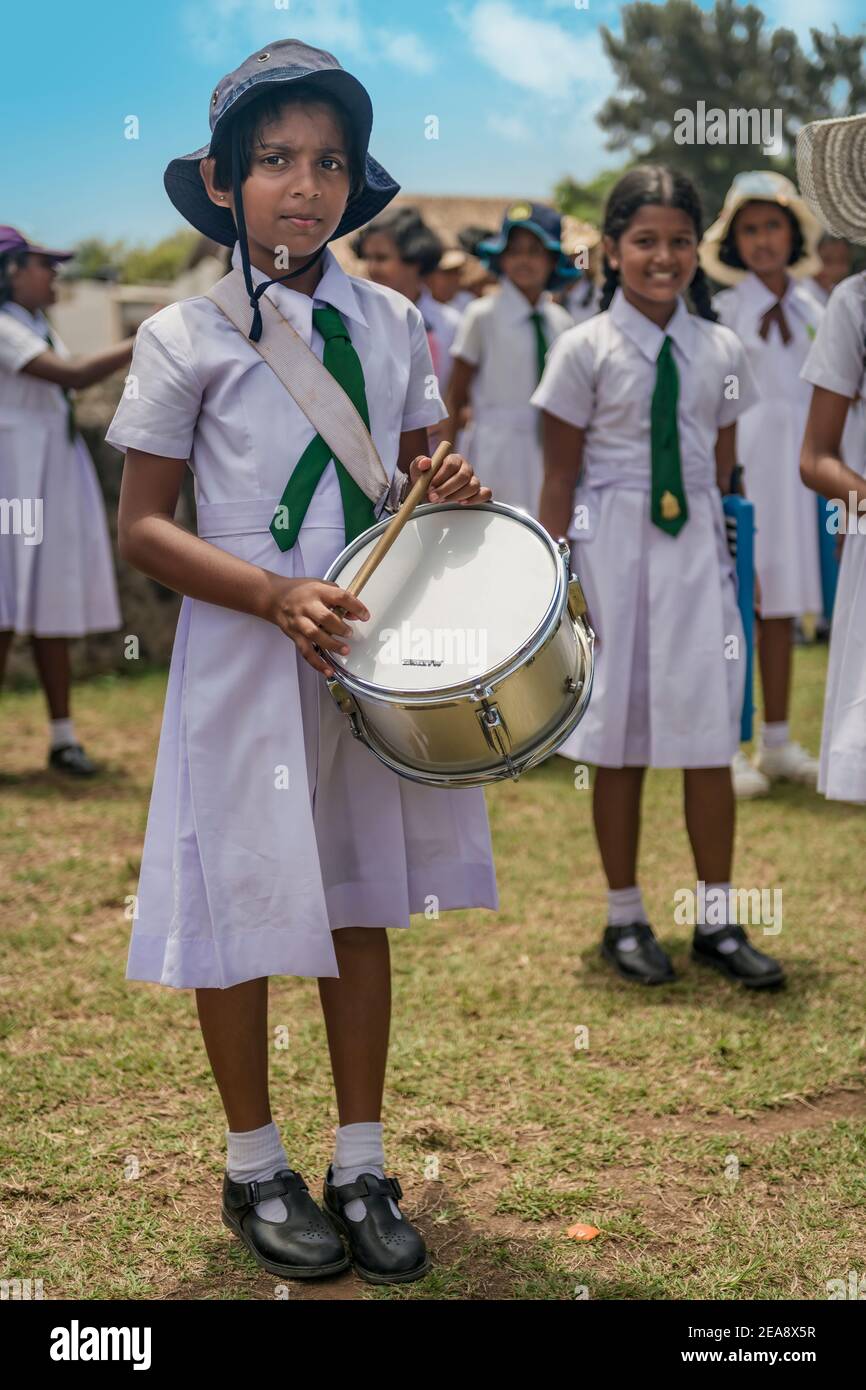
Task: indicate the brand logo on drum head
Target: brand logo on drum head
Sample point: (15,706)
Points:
(410,645)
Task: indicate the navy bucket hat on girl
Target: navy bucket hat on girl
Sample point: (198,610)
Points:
(546,224)
(287,60)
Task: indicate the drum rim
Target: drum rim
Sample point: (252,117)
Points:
(533,757)
(486,680)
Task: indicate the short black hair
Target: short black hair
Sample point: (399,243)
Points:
(267,108)
(728,253)
(416,243)
(10,260)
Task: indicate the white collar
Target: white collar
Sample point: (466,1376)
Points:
(514,305)
(37,321)
(334,288)
(796,299)
(646,335)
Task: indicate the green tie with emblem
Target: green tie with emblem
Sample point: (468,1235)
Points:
(668,507)
(344,364)
(540,340)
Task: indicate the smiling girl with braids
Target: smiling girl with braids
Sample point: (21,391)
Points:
(640,404)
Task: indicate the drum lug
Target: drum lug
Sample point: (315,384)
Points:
(346,705)
(495,731)
(576,600)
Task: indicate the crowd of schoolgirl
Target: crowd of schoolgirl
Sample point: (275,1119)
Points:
(616,402)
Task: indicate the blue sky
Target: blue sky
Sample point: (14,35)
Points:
(514,84)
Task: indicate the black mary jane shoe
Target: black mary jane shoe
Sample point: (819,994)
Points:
(385,1249)
(304,1246)
(645,964)
(71,758)
(747,965)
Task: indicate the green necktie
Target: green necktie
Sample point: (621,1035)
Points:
(70,408)
(344,364)
(540,340)
(668,508)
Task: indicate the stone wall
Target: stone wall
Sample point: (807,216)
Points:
(149,610)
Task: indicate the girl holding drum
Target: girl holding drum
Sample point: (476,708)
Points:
(275,844)
(640,405)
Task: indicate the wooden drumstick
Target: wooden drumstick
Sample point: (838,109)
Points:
(397,522)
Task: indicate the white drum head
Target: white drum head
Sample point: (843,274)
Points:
(459,593)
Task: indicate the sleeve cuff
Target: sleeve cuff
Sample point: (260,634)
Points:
(422,419)
(829,382)
(123,440)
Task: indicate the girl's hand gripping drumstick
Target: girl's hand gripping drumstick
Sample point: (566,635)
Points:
(416,495)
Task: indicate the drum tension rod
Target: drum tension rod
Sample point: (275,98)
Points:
(494,728)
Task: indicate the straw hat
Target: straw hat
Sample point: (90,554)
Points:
(831,171)
(452,259)
(764,186)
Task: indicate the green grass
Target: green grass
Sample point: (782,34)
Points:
(681,1132)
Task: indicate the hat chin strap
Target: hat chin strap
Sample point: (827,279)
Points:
(254,292)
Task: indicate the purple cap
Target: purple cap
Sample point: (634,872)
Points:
(11,240)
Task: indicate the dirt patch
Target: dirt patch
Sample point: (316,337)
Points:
(800,1112)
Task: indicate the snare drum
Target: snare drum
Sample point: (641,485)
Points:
(477,660)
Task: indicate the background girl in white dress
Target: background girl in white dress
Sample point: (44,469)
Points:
(639,406)
(832,175)
(399,251)
(58,581)
(276,843)
(500,348)
(762,244)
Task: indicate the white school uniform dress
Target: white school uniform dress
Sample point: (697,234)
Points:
(502,440)
(669,681)
(269,824)
(62,585)
(461,300)
(769,438)
(444,322)
(836,362)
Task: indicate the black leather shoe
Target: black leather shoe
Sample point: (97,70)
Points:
(304,1246)
(71,758)
(385,1249)
(647,964)
(747,965)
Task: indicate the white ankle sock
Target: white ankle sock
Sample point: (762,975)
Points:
(625,906)
(62,732)
(718,909)
(255,1155)
(775,735)
(358,1150)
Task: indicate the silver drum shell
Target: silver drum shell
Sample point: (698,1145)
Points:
(505,722)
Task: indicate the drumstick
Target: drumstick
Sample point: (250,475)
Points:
(397,522)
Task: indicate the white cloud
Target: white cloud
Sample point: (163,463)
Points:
(225,31)
(405,50)
(538,55)
(511,128)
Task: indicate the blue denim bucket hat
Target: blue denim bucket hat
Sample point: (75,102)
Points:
(287,60)
(546,224)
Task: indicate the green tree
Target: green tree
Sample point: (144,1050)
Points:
(673,56)
(98,260)
(586,200)
(159,264)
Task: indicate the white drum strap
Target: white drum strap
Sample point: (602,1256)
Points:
(310,384)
